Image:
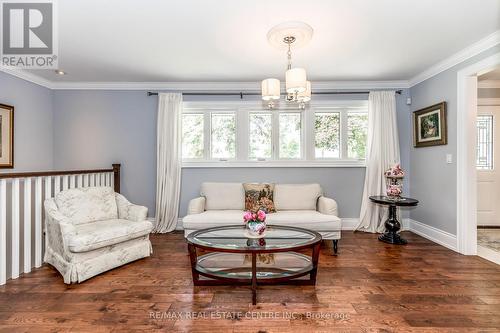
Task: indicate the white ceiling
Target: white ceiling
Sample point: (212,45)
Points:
(225,40)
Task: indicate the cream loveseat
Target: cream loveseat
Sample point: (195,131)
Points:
(300,205)
(91,230)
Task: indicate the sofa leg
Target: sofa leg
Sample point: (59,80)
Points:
(335,246)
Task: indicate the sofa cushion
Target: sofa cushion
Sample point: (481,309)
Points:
(296,196)
(309,219)
(223,195)
(259,196)
(96,235)
(89,204)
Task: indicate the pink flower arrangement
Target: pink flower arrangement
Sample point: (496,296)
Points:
(255,223)
(259,216)
(395,172)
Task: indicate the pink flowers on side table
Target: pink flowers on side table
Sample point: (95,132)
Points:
(395,172)
(394,181)
(255,224)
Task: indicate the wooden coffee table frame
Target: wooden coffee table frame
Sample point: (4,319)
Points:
(217,280)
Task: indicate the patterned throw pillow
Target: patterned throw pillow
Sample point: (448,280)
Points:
(259,196)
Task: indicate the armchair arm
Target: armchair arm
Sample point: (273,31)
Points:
(129,211)
(196,206)
(58,228)
(327,206)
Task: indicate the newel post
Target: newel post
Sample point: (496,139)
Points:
(116,175)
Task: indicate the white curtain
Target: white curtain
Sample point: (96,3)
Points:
(382,153)
(168,161)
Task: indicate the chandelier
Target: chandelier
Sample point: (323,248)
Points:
(298,89)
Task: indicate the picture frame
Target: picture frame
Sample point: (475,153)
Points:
(6,136)
(430,126)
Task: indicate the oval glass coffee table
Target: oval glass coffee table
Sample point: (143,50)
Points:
(233,259)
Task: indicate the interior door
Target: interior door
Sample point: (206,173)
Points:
(488,158)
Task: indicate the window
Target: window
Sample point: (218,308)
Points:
(484,158)
(260,136)
(192,135)
(223,135)
(327,134)
(290,126)
(357,133)
(247,134)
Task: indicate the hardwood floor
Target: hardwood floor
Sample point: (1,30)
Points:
(370,286)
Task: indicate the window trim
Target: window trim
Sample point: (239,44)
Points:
(242,109)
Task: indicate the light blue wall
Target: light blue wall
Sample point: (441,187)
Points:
(97,128)
(433,181)
(94,129)
(32,123)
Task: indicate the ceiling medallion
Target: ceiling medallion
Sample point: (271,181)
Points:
(298,89)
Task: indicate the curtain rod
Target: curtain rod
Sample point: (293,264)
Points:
(241,93)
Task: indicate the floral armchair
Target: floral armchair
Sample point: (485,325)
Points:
(92,230)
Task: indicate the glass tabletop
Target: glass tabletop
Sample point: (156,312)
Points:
(232,238)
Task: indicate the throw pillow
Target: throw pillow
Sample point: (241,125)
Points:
(259,196)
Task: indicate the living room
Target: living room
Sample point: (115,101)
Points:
(249,166)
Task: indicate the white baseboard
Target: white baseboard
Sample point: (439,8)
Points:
(349,223)
(431,233)
(177,227)
(434,234)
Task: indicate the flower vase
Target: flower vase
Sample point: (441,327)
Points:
(255,229)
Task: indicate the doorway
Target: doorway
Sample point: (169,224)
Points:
(488,165)
(467,185)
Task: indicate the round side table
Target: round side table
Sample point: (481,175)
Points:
(392,225)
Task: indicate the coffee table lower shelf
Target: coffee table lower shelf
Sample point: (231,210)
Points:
(223,268)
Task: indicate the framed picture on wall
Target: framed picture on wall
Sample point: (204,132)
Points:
(6,136)
(429,126)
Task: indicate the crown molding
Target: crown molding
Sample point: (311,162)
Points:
(355,85)
(488,84)
(220,86)
(196,86)
(170,86)
(467,53)
(27,76)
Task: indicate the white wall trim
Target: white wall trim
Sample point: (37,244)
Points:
(222,86)
(277,164)
(27,76)
(466,169)
(349,223)
(219,86)
(467,53)
(433,234)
